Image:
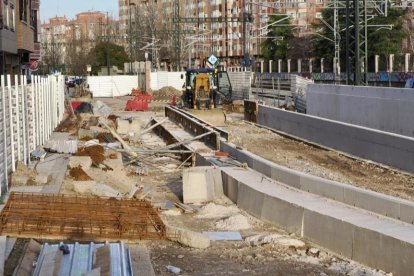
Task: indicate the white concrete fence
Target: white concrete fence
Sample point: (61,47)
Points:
(28,115)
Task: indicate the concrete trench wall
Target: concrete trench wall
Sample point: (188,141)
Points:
(382,147)
(382,108)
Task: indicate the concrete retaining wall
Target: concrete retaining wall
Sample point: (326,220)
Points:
(386,109)
(356,234)
(374,202)
(240,82)
(383,147)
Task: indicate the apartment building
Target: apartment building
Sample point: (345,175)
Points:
(240,31)
(62,36)
(17,35)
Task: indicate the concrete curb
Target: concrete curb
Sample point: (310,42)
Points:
(385,205)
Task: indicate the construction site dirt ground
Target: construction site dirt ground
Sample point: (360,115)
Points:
(282,253)
(306,158)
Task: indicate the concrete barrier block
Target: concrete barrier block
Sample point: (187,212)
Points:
(285,176)
(407,213)
(329,232)
(321,187)
(230,187)
(263,166)
(282,214)
(250,200)
(201,184)
(372,201)
(383,252)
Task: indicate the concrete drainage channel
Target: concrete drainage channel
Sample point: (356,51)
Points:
(368,227)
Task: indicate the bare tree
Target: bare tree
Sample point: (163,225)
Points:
(52,54)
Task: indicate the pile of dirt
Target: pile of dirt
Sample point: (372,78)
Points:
(166,93)
(113,118)
(79,174)
(96,153)
(70,124)
(104,137)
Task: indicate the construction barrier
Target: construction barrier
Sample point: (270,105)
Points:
(28,115)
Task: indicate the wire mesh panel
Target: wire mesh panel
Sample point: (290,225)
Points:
(79,218)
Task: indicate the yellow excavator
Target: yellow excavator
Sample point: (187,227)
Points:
(206,88)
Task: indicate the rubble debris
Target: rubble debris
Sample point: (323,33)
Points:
(38,154)
(173,269)
(235,222)
(84,107)
(105,137)
(79,174)
(42,178)
(187,237)
(261,239)
(202,184)
(84,187)
(101,109)
(70,125)
(61,142)
(85,162)
(172,212)
(23,176)
(96,153)
(224,236)
(123,143)
(86,134)
(186,208)
(126,126)
(213,210)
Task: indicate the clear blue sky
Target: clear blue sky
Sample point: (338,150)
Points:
(51,8)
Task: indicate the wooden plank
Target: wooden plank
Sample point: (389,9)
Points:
(103,260)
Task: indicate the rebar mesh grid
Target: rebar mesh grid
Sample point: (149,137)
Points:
(79,218)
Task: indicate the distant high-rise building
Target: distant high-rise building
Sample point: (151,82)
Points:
(230,29)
